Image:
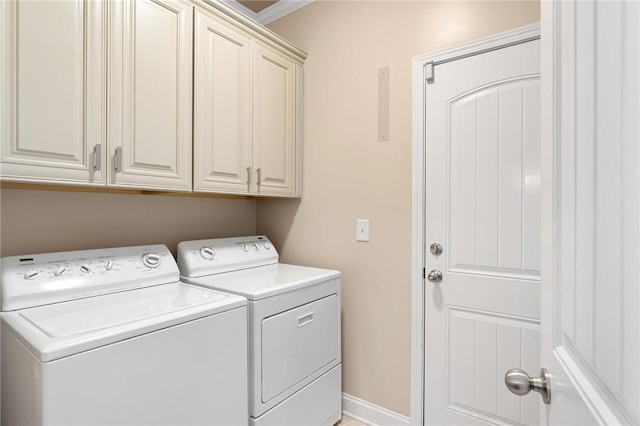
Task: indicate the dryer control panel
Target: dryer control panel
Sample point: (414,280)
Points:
(206,257)
(40,279)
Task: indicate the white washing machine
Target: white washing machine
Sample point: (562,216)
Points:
(112,337)
(294,327)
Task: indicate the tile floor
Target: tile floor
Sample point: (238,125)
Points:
(348,421)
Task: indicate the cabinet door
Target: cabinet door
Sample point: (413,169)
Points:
(222,107)
(150,94)
(274,122)
(52,117)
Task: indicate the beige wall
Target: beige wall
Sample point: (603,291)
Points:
(47,221)
(349,175)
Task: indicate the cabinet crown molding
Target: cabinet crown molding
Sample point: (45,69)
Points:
(268,36)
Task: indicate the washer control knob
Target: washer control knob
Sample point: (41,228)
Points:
(267,246)
(31,274)
(151,260)
(109,265)
(255,247)
(85,269)
(245,248)
(59,270)
(207,253)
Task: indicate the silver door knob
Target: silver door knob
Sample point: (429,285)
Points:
(519,382)
(434,276)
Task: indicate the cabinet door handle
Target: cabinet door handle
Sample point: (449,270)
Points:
(117,159)
(249,176)
(259,176)
(97,157)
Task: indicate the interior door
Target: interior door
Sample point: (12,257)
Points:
(482,234)
(591,191)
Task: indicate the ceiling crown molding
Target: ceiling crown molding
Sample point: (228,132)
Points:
(271,13)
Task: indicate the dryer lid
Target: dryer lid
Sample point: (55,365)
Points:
(63,329)
(265,281)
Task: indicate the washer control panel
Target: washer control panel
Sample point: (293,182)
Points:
(34,280)
(206,257)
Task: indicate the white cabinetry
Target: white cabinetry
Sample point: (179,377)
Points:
(222,102)
(52,121)
(126,94)
(150,63)
(274,122)
(246,120)
(55,103)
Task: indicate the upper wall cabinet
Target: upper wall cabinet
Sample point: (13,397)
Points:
(148,94)
(222,107)
(150,66)
(275,144)
(247,118)
(52,121)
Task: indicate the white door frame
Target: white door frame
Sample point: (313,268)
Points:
(421,72)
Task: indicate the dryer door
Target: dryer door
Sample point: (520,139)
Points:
(297,343)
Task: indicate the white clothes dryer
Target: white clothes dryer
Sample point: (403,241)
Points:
(112,337)
(294,327)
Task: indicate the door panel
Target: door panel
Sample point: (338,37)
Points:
(150,94)
(482,205)
(154,113)
(482,346)
(274,115)
(494,186)
(222,116)
(296,344)
(591,339)
(52,84)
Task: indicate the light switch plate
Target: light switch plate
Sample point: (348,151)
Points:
(362,230)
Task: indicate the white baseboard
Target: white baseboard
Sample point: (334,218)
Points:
(371,414)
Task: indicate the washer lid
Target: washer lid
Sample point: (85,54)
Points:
(63,329)
(265,281)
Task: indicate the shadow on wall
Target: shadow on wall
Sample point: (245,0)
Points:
(51,221)
(278,222)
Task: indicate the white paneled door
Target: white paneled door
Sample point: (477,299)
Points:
(482,235)
(590,210)
(486,183)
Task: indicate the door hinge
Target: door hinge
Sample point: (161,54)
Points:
(424,273)
(429,73)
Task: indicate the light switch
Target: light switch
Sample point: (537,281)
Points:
(362,230)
